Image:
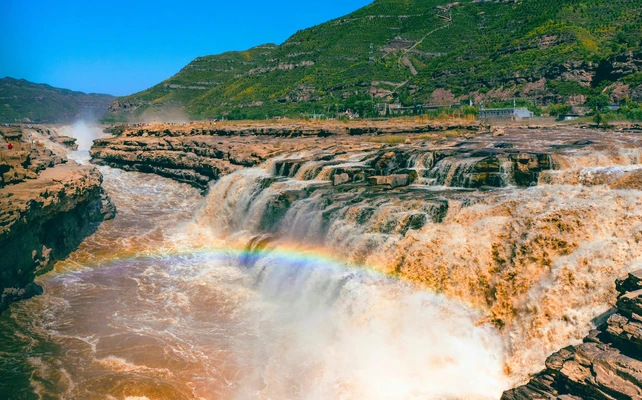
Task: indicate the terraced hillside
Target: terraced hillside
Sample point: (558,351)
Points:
(418,51)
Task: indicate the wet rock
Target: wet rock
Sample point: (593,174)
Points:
(66,141)
(340,179)
(277,207)
(608,365)
(288,167)
(626,332)
(388,161)
(390,181)
(527,167)
(630,303)
(489,164)
(491,179)
(631,283)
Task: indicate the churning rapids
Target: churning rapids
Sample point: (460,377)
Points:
(191,297)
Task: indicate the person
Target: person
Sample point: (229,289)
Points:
(10,146)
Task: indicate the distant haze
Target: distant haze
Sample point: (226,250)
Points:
(122,47)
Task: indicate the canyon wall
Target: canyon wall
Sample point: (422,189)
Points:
(48,205)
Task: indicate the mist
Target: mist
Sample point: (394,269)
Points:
(85,132)
(323,331)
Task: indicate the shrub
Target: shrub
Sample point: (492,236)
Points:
(555,110)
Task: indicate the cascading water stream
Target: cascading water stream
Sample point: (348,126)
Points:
(538,261)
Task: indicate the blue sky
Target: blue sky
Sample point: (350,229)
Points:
(121,47)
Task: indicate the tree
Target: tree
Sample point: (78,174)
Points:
(598,102)
(601,119)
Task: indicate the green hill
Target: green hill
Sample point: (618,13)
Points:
(417,51)
(23,101)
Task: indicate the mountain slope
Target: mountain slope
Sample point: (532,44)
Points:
(23,101)
(429,51)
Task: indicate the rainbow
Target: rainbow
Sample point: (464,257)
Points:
(289,253)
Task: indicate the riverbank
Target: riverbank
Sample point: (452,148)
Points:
(48,205)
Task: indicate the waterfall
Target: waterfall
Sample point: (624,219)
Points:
(538,261)
(452,171)
(157,304)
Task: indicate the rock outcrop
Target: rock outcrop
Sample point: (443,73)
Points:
(195,160)
(66,141)
(199,155)
(607,365)
(25,159)
(453,155)
(48,205)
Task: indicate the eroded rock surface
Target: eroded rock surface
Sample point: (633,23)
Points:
(26,157)
(201,155)
(607,365)
(48,205)
(196,160)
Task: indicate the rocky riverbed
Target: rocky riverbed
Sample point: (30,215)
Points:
(454,155)
(201,153)
(48,205)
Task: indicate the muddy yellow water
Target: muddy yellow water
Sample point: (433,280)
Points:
(165,301)
(154,306)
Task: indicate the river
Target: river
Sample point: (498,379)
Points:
(277,285)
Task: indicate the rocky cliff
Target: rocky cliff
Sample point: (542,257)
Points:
(607,365)
(48,205)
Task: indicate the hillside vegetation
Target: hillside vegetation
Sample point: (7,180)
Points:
(23,101)
(433,52)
